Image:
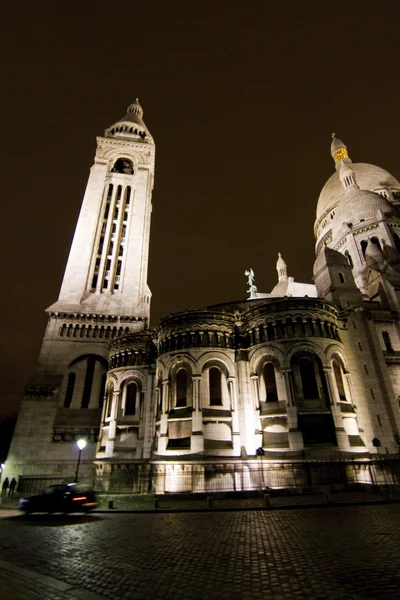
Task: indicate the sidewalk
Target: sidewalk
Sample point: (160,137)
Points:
(22,584)
(270,500)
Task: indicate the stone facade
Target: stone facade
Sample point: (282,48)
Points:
(306,372)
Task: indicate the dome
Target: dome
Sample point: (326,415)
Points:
(368,177)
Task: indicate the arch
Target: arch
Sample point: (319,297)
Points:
(363,245)
(338,374)
(181,387)
(215,386)
(219,358)
(309,381)
(123,165)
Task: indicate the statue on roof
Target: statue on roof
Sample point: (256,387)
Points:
(251,282)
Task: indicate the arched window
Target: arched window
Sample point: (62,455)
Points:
(70,390)
(308,379)
(271,393)
(215,387)
(364,245)
(339,381)
(181,388)
(388,343)
(131,398)
(341,277)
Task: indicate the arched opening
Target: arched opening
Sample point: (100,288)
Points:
(271,392)
(123,166)
(131,398)
(341,277)
(312,400)
(308,378)
(215,387)
(181,388)
(376,242)
(364,244)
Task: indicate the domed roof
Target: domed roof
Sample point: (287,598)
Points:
(368,177)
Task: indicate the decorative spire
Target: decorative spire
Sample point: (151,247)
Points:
(281,267)
(338,150)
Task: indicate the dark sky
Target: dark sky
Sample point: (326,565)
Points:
(241,99)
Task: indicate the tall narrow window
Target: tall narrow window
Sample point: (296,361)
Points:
(131,399)
(181,388)
(110,394)
(215,387)
(388,343)
(396,240)
(308,379)
(339,380)
(70,390)
(271,393)
(349,259)
(87,388)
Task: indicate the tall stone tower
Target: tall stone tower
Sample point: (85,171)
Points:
(104,294)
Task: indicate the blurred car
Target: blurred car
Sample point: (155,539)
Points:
(62,497)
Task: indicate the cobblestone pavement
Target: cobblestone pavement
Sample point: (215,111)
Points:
(350,553)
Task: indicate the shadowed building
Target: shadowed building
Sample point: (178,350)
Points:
(202,400)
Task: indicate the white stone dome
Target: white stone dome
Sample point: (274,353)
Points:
(368,177)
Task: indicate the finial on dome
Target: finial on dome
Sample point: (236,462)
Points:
(136,108)
(281,267)
(338,150)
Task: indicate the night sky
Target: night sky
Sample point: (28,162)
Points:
(241,99)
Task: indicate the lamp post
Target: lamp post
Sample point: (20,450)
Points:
(81,445)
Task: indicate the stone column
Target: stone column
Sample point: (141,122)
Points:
(197,438)
(342,438)
(163,439)
(256,391)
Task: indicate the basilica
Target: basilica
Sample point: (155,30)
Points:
(235,396)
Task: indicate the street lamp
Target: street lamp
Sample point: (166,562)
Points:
(81,445)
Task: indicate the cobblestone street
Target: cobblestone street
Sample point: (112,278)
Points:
(329,553)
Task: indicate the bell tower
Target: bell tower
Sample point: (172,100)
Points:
(107,265)
(104,294)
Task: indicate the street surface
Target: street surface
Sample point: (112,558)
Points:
(349,553)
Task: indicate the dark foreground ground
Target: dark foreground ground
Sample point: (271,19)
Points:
(347,552)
